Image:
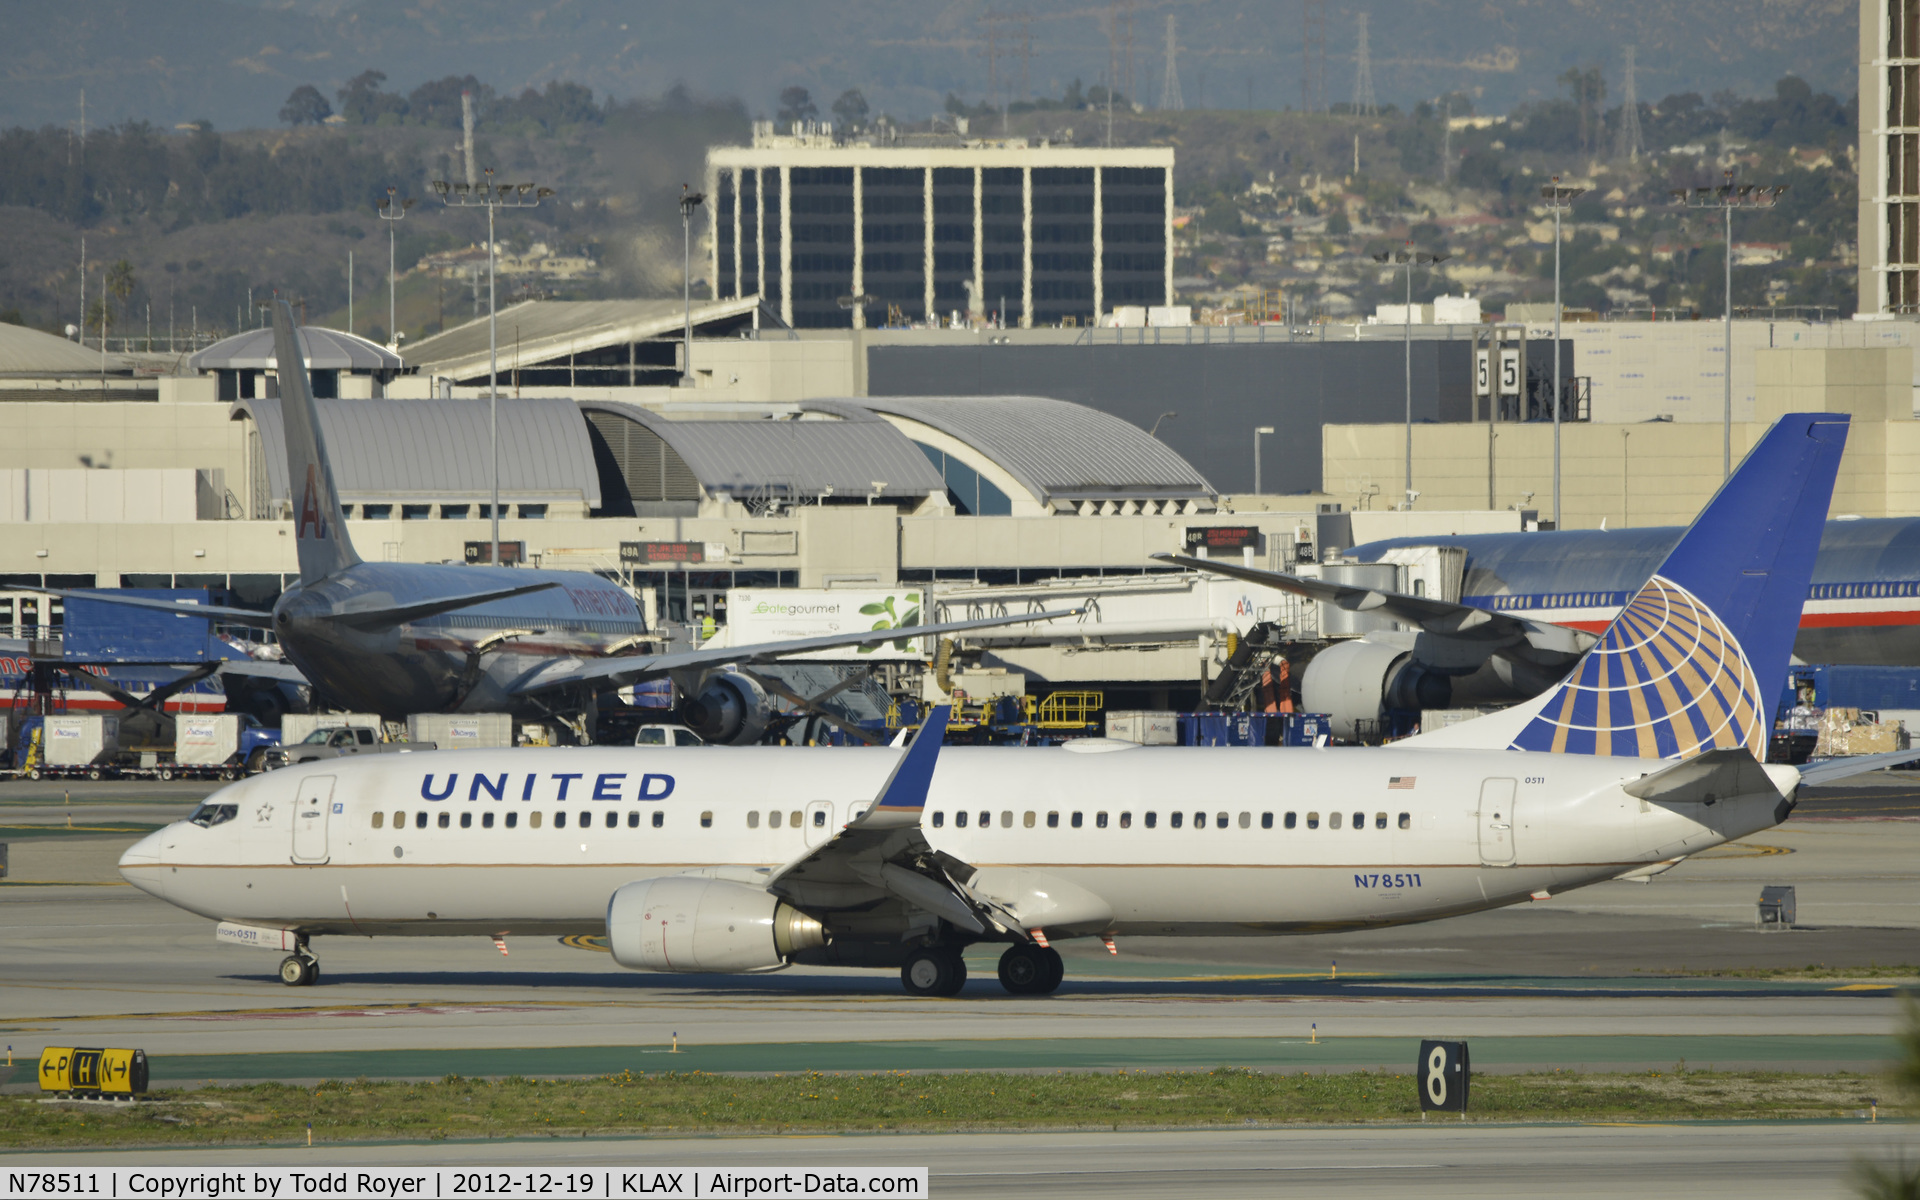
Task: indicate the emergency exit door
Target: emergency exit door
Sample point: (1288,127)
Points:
(312,805)
(820,822)
(1496,822)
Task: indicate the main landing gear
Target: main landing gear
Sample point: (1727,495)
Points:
(301,968)
(1030,970)
(1025,970)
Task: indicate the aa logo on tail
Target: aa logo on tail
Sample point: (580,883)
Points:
(311,512)
(1667,680)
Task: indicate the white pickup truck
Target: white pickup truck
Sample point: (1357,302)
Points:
(337,742)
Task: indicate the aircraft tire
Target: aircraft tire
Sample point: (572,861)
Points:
(1025,970)
(295,971)
(1056,971)
(934,971)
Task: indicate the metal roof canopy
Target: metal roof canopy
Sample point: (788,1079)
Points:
(537,332)
(1057,450)
(29,352)
(323,349)
(438,449)
(843,457)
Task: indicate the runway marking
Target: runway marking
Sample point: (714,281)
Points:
(62,883)
(1744,850)
(1864,987)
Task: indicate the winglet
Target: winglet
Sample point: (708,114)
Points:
(904,796)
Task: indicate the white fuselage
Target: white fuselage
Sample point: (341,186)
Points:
(1266,840)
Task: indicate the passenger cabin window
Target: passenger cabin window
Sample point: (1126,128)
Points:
(706,820)
(1026,820)
(1053,820)
(939,820)
(1379,820)
(513,818)
(1200,820)
(793,819)
(820,818)
(1006,820)
(419,820)
(1076,820)
(613,820)
(986,819)
(1153,819)
(559,820)
(1333,820)
(633,820)
(486,820)
(659,819)
(960,819)
(1313,820)
(533,820)
(466,820)
(1360,820)
(753,819)
(379,819)
(1126,820)
(1246,820)
(773,820)
(1289,822)
(1406,820)
(1266,820)
(1099,820)
(399,820)
(1220,820)
(1176,819)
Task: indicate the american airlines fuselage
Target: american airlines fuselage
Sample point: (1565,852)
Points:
(1172,840)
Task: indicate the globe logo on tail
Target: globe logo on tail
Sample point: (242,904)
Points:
(1667,680)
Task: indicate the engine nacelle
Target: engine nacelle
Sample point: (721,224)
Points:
(691,923)
(1359,680)
(731,710)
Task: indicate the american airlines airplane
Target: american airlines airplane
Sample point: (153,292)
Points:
(751,859)
(400,638)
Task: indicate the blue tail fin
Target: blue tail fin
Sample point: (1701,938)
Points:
(1695,661)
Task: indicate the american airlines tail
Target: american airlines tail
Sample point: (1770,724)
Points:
(320,530)
(1696,661)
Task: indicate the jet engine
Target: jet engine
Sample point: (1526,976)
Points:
(691,923)
(1359,680)
(730,710)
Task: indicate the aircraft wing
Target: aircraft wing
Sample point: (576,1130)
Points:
(386,616)
(256,669)
(212,612)
(1439,617)
(882,854)
(620,671)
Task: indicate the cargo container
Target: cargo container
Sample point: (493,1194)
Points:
(294,727)
(72,745)
(221,743)
(462,731)
(1146,728)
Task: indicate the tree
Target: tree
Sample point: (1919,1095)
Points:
(1588,89)
(362,102)
(306,106)
(851,108)
(796,105)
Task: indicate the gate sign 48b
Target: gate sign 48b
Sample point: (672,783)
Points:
(1443,1075)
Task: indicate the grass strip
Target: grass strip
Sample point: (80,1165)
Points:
(680,1102)
(1810,971)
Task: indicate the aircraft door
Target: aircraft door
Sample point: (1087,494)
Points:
(820,822)
(1496,822)
(312,805)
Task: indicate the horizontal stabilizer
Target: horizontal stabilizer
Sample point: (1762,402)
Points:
(179,608)
(1705,779)
(1829,770)
(369,619)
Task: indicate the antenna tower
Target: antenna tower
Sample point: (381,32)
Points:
(1629,115)
(1313,55)
(1363,100)
(1170,86)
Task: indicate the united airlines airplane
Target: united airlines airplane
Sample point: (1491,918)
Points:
(400,638)
(751,859)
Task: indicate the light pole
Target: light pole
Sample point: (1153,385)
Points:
(1409,260)
(1559,199)
(1728,197)
(1258,430)
(688,202)
(491,196)
(1165,416)
(393,210)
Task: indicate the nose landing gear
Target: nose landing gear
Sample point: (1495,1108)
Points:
(1030,970)
(301,968)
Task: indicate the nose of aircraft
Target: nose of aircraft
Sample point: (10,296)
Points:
(140,865)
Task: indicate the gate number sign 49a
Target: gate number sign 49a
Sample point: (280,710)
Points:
(1442,1075)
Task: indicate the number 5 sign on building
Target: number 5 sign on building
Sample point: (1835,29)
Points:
(1442,1075)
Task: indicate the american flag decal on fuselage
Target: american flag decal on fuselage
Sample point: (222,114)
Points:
(1400,783)
(1667,680)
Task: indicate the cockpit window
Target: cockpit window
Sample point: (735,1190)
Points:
(209,815)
